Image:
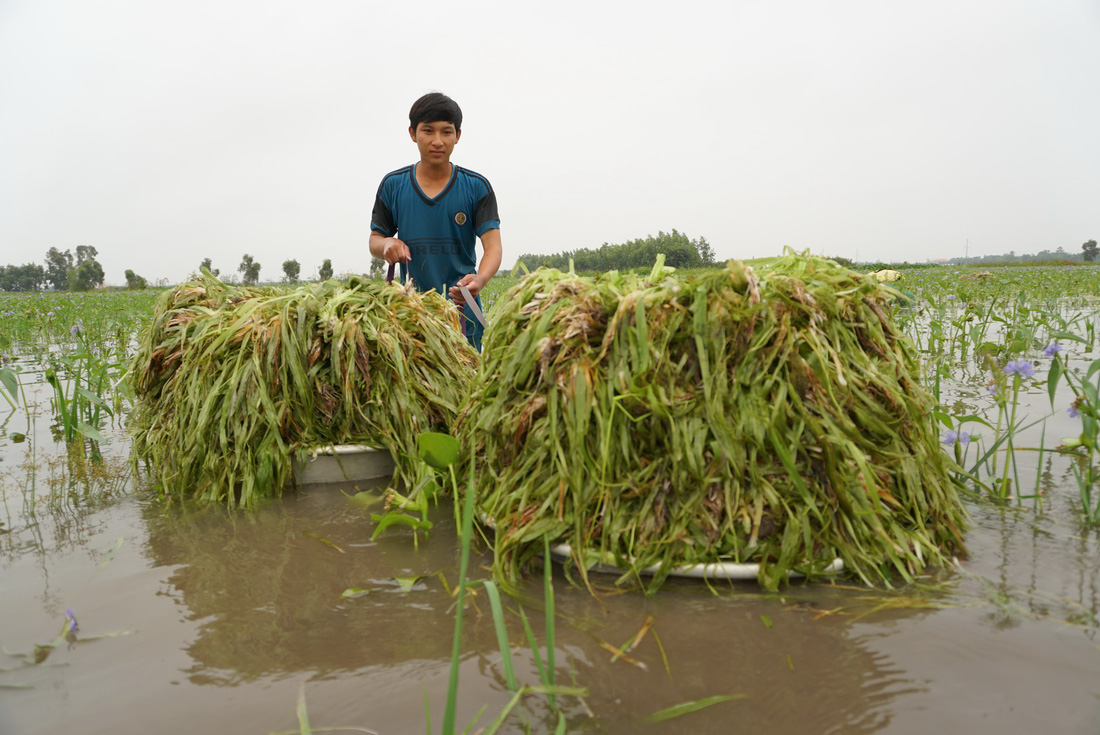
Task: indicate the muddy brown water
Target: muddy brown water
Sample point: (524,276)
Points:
(217,621)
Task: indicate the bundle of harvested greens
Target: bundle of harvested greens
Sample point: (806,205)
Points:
(235,383)
(676,421)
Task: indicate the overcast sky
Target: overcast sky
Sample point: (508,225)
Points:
(163,133)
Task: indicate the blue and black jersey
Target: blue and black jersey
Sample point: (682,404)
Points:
(441,232)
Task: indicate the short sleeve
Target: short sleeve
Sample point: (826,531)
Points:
(486,216)
(382,220)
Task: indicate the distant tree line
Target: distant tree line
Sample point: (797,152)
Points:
(1088,254)
(249,269)
(679,251)
(62,272)
(65,270)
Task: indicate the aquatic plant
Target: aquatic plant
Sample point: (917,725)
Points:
(234,383)
(675,421)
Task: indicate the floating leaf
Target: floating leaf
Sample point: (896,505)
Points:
(679,710)
(353,592)
(405,584)
(438,450)
(364,499)
(397,518)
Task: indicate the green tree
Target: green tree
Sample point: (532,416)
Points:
(706,252)
(87,273)
(249,270)
(679,251)
(1090,250)
(134,281)
(206,264)
(58,265)
(84,253)
(86,276)
(291,269)
(29,277)
(326,270)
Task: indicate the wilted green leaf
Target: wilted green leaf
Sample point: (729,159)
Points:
(679,710)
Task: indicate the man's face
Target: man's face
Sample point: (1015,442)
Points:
(435,140)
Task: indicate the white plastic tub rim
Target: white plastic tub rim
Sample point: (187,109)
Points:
(719,570)
(342,463)
(338,449)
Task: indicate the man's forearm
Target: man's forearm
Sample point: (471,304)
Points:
(490,261)
(377,244)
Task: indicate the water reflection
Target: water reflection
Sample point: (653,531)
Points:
(265,590)
(796,658)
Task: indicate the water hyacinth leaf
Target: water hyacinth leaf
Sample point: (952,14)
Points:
(90,431)
(10,382)
(772,417)
(1067,335)
(397,518)
(18,438)
(262,375)
(353,592)
(93,398)
(1093,367)
(1053,377)
(438,450)
(971,417)
(943,417)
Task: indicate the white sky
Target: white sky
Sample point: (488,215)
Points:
(164,132)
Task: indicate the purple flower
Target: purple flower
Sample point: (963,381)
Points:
(956,437)
(1073,412)
(71,625)
(1023,368)
(1052,349)
(75,330)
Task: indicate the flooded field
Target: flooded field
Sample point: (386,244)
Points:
(120,613)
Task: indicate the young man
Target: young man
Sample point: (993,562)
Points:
(426,216)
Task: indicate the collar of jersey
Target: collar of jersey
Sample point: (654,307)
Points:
(440,195)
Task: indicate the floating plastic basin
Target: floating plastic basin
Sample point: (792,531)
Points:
(343,463)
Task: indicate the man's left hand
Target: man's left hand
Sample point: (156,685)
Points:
(471,281)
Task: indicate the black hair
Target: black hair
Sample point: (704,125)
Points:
(435,107)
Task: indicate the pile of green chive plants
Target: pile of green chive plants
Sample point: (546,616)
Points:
(772,418)
(232,384)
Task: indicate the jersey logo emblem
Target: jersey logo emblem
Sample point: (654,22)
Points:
(460,218)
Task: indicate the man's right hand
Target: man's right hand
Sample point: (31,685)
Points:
(395,251)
